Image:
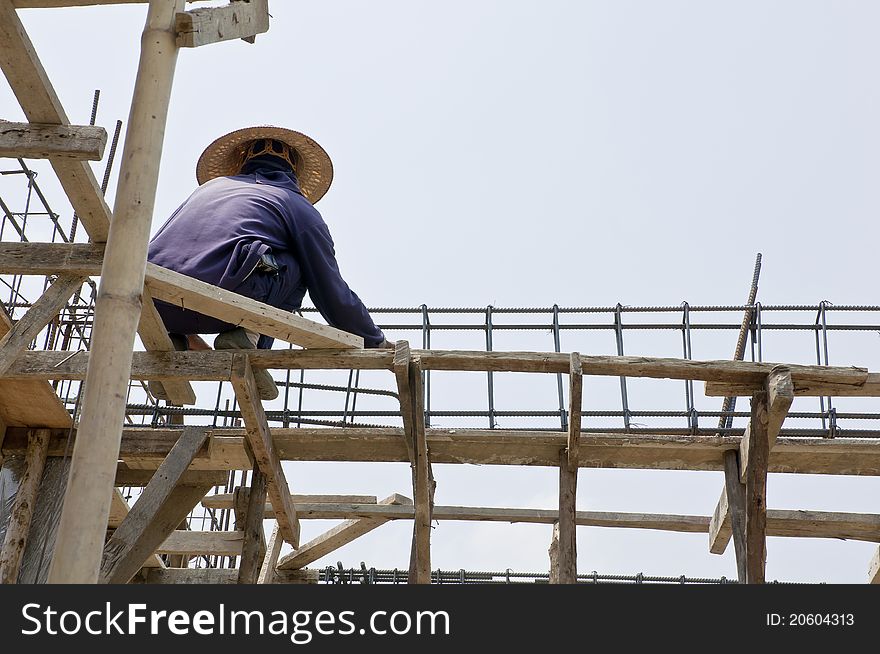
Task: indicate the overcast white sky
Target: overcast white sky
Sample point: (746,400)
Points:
(530,153)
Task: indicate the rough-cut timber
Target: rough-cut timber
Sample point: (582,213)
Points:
(145,448)
(222,576)
(42,312)
(212,543)
(39,141)
(734,494)
(156,513)
(756,491)
(253,550)
(342,534)
(31,402)
(18,527)
(566,534)
(224,501)
(780,395)
(214,301)
(237,20)
(260,440)
(423,483)
(273,550)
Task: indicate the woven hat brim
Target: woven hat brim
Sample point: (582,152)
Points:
(225,155)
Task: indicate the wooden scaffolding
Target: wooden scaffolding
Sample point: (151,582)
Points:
(101,539)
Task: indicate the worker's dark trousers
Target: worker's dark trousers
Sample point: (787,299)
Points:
(273,289)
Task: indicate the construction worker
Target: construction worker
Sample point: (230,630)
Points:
(250,228)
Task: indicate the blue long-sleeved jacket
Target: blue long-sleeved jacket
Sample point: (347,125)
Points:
(220,232)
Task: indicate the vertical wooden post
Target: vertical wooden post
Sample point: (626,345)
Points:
(270,561)
(423,483)
(756,491)
(23,507)
(83,525)
(553,552)
(735,493)
(253,548)
(568,474)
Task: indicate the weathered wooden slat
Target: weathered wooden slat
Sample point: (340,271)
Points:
(19,524)
(735,494)
(224,501)
(40,141)
(159,510)
(802,388)
(756,491)
(140,478)
(212,543)
(222,576)
(153,335)
(401,369)
(651,367)
(29,402)
(41,313)
(423,483)
(254,548)
(575,402)
(216,302)
(144,448)
(566,534)
(778,387)
(340,535)
(260,440)
(273,550)
(237,20)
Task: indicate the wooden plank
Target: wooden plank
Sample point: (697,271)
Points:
(874,569)
(140,478)
(575,402)
(211,543)
(254,548)
(29,402)
(779,396)
(756,491)
(40,141)
(423,483)
(19,524)
(155,337)
(41,313)
(208,365)
(401,369)
(47,4)
(270,561)
(565,533)
(224,501)
(340,535)
(237,20)
(223,576)
(145,448)
(802,388)
(553,552)
(260,440)
(735,493)
(650,367)
(119,508)
(216,302)
(159,509)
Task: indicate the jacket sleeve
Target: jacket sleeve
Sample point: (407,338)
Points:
(339,305)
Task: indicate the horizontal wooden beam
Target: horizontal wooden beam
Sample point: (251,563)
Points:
(221,576)
(211,543)
(126,477)
(339,536)
(144,447)
(222,501)
(237,20)
(802,388)
(216,302)
(41,141)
